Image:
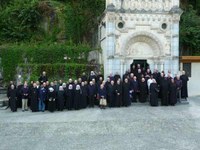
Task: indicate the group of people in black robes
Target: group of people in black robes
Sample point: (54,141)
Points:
(136,85)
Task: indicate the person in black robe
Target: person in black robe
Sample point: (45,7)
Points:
(100,75)
(8,90)
(29,95)
(164,91)
(126,93)
(46,86)
(34,94)
(12,95)
(77,97)
(143,91)
(64,85)
(84,95)
(70,97)
(116,77)
(135,89)
(139,74)
(51,98)
(19,95)
(92,76)
(61,98)
(92,91)
(118,93)
(184,89)
(43,78)
(84,77)
(110,90)
(154,93)
(126,75)
(172,93)
(156,75)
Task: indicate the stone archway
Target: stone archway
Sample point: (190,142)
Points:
(143,45)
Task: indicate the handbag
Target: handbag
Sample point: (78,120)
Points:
(103,102)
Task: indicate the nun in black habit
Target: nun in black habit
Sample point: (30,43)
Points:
(34,94)
(51,98)
(84,95)
(61,98)
(154,93)
(12,95)
(77,97)
(70,97)
(118,92)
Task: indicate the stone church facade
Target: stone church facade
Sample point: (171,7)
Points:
(140,31)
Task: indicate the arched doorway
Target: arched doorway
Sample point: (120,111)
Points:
(143,64)
(143,48)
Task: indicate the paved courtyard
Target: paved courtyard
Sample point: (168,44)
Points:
(139,127)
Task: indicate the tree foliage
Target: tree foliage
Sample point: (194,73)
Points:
(190,32)
(49,20)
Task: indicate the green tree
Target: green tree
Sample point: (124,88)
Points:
(190,32)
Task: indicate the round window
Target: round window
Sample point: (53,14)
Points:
(164,26)
(120,25)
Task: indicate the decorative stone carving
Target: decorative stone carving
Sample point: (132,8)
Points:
(145,5)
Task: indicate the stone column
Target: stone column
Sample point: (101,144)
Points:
(108,52)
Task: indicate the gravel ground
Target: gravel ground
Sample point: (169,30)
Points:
(139,127)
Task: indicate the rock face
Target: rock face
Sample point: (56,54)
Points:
(140,30)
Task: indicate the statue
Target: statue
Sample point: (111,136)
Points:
(117,48)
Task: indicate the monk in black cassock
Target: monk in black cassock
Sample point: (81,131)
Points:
(8,90)
(107,83)
(135,88)
(154,93)
(77,97)
(118,92)
(60,98)
(184,89)
(43,78)
(84,95)
(34,94)
(172,93)
(126,93)
(51,98)
(116,77)
(19,95)
(111,93)
(12,95)
(164,91)
(143,91)
(70,97)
